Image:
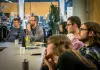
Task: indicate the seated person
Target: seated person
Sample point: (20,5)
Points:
(16,32)
(60,55)
(34,30)
(72,26)
(90,35)
(62,28)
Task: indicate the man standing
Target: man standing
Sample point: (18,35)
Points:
(16,32)
(73,25)
(90,35)
(35,31)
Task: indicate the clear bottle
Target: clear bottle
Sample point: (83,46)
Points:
(27,38)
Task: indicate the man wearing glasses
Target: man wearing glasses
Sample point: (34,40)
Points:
(73,25)
(90,35)
(35,31)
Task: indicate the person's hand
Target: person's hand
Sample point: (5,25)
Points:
(45,52)
(28,27)
(49,62)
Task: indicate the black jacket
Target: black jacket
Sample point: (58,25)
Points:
(69,61)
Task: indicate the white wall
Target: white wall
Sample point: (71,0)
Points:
(61,6)
(79,9)
(61,2)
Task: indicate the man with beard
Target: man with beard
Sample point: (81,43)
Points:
(90,35)
(34,30)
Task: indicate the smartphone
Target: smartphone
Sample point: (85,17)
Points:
(36,54)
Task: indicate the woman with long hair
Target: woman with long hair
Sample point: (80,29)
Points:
(60,55)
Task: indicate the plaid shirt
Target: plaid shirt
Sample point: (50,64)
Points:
(92,53)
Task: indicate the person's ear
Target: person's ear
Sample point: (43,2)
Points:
(74,25)
(91,33)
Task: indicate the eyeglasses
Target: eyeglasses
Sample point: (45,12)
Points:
(82,29)
(69,24)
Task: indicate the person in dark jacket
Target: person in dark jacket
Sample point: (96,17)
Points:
(16,32)
(60,55)
(90,35)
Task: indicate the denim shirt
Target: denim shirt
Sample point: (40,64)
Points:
(15,34)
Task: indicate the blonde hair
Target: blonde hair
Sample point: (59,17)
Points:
(62,43)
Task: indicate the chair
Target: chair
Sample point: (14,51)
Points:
(3,33)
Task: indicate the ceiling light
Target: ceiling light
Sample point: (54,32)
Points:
(8,1)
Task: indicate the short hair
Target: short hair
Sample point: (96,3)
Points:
(95,27)
(16,19)
(75,20)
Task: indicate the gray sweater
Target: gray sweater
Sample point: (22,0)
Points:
(36,34)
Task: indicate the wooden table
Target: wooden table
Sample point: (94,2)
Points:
(11,59)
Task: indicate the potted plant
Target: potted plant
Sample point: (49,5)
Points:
(54,18)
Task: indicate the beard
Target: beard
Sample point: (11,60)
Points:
(32,25)
(85,39)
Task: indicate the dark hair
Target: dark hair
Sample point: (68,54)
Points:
(16,19)
(95,27)
(75,20)
(36,18)
(64,27)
